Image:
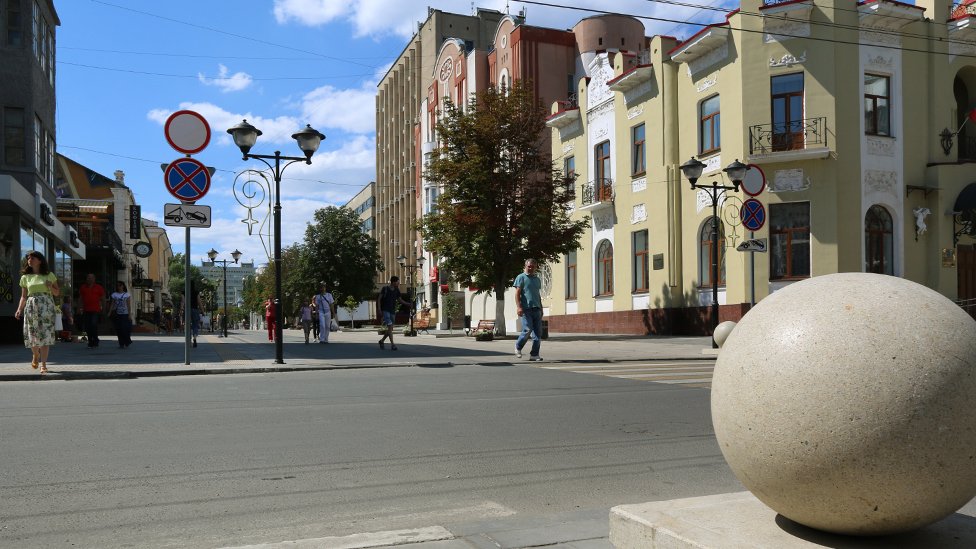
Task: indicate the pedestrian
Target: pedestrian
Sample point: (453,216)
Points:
(306,316)
(528,300)
(92,295)
(195,308)
(270,315)
(158,319)
(315,319)
(389,301)
(120,311)
(325,303)
(67,319)
(38,285)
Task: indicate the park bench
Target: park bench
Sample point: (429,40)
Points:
(423,322)
(483,326)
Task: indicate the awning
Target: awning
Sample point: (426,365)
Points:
(966,201)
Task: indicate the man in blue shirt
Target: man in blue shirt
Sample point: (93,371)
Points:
(528,300)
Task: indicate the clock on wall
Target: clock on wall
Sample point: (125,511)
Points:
(142,249)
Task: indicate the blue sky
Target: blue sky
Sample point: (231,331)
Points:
(124,66)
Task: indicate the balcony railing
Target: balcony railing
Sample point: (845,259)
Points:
(98,235)
(595,192)
(967,147)
(788,136)
(961,10)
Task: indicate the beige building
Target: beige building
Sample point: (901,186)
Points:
(156,266)
(364,205)
(398,118)
(825,102)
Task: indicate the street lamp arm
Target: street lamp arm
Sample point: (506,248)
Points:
(277,157)
(260,157)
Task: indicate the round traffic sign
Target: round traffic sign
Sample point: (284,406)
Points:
(187,179)
(187,131)
(753,214)
(755,182)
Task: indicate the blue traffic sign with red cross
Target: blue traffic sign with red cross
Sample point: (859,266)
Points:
(188,180)
(753,214)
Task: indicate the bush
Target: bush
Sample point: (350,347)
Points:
(407,332)
(484,335)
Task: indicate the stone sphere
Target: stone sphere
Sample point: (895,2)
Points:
(722,332)
(847,403)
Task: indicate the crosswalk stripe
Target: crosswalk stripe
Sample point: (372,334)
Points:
(686,373)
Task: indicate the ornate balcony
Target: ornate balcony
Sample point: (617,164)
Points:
(795,140)
(596,195)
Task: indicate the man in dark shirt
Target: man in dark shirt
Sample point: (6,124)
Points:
(92,296)
(389,300)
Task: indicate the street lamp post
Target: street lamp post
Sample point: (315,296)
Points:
(736,171)
(212,254)
(245,135)
(402,260)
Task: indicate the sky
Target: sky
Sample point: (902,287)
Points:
(124,66)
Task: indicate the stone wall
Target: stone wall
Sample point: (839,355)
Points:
(671,321)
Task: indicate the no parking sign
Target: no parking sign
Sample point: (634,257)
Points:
(188,180)
(753,214)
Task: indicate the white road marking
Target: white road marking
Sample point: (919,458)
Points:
(361,541)
(684,372)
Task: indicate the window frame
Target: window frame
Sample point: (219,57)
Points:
(572,288)
(873,98)
(14,29)
(640,269)
(12,141)
(638,151)
(604,269)
(789,232)
(794,140)
(705,267)
(714,120)
(879,241)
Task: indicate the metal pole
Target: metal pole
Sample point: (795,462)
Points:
(279,349)
(186,301)
(714,262)
(224,319)
(752,274)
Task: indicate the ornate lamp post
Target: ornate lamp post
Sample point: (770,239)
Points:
(736,171)
(212,254)
(402,260)
(245,135)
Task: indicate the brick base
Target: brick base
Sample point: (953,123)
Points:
(692,321)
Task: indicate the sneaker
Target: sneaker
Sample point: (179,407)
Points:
(382,346)
(518,353)
(393,347)
(535,359)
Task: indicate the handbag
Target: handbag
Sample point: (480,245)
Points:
(58,323)
(334,326)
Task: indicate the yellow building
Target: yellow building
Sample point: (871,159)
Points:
(837,106)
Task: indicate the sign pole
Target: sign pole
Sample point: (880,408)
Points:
(187,318)
(752,274)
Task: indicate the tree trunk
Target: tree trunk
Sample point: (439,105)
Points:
(500,308)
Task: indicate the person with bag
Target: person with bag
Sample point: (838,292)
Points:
(315,319)
(38,284)
(326,304)
(389,300)
(119,311)
(270,317)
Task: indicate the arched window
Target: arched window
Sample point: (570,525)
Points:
(879,249)
(604,268)
(705,253)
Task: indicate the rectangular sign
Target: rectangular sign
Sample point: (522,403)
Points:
(186,215)
(135,222)
(754,245)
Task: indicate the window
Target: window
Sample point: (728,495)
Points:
(603,187)
(49,148)
(879,248)
(569,174)
(604,268)
(14,137)
(571,275)
(637,150)
(13,24)
(705,253)
(35,29)
(709,126)
(789,235)
(787,107)
(50,55)
(877,116)
(39,156)
(639,239)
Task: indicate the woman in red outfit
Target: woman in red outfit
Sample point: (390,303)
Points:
(269,317)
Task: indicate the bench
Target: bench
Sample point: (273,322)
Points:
(483,326)
(422,323)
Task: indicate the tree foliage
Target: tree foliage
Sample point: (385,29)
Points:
(177,278)
(336,251)
(503,201)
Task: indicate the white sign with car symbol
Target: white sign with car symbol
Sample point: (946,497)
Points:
(186,215)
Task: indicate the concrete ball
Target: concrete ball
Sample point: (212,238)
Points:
(722,332)
(847,403)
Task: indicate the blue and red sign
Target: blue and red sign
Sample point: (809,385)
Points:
(753,214)
(187,179)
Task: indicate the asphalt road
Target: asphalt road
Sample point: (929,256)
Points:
(212,461)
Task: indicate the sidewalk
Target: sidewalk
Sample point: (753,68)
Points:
(249,351)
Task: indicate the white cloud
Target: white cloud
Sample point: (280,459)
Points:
(235,82)
(352,110)
(276,130)
(308,12)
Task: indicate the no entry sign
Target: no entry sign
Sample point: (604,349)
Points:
(187,131)
(187,179)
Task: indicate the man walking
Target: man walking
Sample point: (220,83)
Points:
(528,300)
(324,302)
(389,301)
(92,295)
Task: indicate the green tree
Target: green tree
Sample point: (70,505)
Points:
(336,251)
(177,278)
(350,305)
(503,200)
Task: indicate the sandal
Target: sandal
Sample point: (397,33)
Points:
(34,363)
(44,368)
